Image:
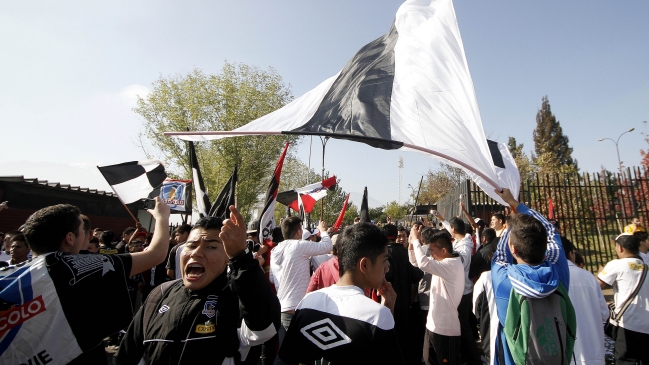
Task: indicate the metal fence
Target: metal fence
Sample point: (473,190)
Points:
(589,208)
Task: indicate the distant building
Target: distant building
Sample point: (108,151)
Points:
(25,196)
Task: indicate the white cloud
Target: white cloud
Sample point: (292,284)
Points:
(131,92)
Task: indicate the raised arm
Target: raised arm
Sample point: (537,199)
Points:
(468,216)
(157,250)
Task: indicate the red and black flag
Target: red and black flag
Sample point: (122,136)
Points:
(220,207)
(307,196)
(267,220)
(202,200)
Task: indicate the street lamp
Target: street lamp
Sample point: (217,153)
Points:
(619,162)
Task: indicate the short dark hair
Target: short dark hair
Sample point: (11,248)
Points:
(128,230)
(290,226)
(579,259)
(458,225)
(46,229)
(499,216)
(94,240)
(568,246)
(19,238)
(529,237)
(641,236)
(402,229)
(489,234)
(86,223)
(437,238)
(358,241)
(186,228)
(629,241)
(107,237)
(11,234)
(390,231)
(277,235)
(205,223)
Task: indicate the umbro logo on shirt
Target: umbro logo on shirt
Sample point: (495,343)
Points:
(325,334)
(163,309)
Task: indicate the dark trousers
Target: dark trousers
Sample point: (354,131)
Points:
(286,321)
(441,350)
(269,351)
(470,354)
(631,347)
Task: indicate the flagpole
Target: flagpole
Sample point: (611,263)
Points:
(324,144)
(129,211)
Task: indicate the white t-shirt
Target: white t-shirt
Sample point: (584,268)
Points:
(446,288)
(591,311)
(465,248)
(484,285)
(289,268)
(623,275)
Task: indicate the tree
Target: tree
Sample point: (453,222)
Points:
(525,166)
(377,214)
(396,210)
(551,150)
(438,183)
(198,101)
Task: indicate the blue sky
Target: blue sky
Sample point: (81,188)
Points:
(71,70)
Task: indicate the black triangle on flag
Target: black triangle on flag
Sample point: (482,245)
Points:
(226,197)
(365,214)
(202,200)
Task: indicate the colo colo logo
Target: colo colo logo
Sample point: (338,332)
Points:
(17,315)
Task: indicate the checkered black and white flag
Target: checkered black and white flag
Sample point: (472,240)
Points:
(134,180)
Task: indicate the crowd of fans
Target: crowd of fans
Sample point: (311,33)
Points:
(436,293)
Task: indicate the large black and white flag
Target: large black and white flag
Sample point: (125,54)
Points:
(221,206)
(409,89)
(202,201)
(135,180)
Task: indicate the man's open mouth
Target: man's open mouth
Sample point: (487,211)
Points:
(194,271)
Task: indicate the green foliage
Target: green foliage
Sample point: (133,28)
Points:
(396,210)
(438,183)
(225,101)
(377,214)
(551,150)
(525,166)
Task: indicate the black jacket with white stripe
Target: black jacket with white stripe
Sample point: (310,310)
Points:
(218,323)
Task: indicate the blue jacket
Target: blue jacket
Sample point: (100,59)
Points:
(532,281)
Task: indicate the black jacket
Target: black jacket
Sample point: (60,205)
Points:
(223,320)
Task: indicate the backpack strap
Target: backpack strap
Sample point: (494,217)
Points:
(152,300)
(616,317)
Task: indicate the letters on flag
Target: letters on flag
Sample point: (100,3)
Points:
(136,180)
(177,195)
(408,89)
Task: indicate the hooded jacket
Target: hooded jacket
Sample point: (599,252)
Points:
(531,281)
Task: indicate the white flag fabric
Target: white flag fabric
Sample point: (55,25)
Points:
(135,180)
(409,89)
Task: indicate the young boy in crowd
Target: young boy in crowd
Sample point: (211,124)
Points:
(442,339)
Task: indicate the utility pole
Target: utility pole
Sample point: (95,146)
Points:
(400,168)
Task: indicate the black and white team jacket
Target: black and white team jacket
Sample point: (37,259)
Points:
(343,326)
(217,324)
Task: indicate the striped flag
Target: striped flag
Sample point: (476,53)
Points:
(408,89)
(136,180)
(267,220)
(202,200)
(306,196)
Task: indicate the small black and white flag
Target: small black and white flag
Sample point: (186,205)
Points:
(134,180)
(202,201)
(408,89)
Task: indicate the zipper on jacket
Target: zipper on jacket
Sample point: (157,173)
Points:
(518,324)
(556,323)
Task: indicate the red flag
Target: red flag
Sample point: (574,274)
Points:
(309,195)
(267,220)
(339,221)
(550,209)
